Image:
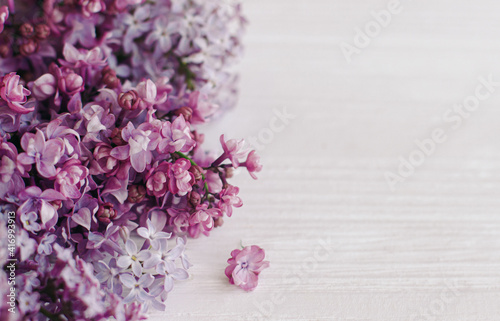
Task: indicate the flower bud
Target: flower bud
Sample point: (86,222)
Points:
(71,83)
(229,171)
(42,31)
(184,111)
(124,233)
(116,137)
(194,199)
(28,48)
(136,193)
(5,51)
(219,221)
(26,30)
(197,172)
(106,213)
(129,100)
(109,78)
(57,204)
(44,87)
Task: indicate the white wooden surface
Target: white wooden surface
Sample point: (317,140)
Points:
(430,250)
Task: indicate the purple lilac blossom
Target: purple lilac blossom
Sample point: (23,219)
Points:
(245,266)
(99,103)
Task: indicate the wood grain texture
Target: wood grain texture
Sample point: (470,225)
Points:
(342,245)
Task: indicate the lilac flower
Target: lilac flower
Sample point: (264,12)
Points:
(82,30)
(181,245)
(45,154)
(141,142)
(14,94)
(11,172)
(133,258)
(71,178)
(45,245)
(84,211)
(129,100)
(171,273)
(137,287)
(27,246)
(157,180)
(205,216)
(113,94)
(228,199)
(70,82)
(253,164)
(245,266)
(176,137)
(153,234)
(233,149)
(29,221)
(107,241)
(136,26)
(96,118)
(104,163)
(78,58)
(180,178)
(92,6)
(109,275)
(161,35)
(146,90)
(178,220)
(34,200)
(29,302)
(44,87)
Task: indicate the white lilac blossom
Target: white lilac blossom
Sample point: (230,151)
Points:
(101,159)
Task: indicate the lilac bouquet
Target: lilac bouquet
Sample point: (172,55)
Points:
(102,173)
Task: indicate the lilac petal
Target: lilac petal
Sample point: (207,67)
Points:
(151,226)
(39,140)
(128,280)
(52,195)
(152,261)
(83,218)
(143,232)
(71,191)
(47,212)
(251,282)
(25,159)
(124,261)
(130,297)
(143,255)
(95,239)
(175,252)
(162,235)
(70,53)
(102,277)
(158,305)
(159,219)
(169,284)
(138,161)
(121,152)
(256,254)
(180,274)
(53,151)
(146,280)
(143,296)
(136,268)
(131,247)
(47,171)
(259,267)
